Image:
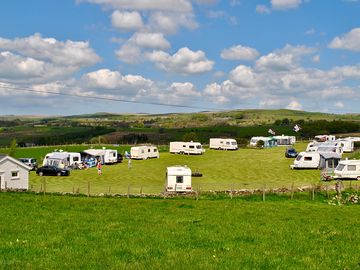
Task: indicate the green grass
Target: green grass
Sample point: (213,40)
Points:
(63,232)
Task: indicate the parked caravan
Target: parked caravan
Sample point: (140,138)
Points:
(178,179)
(347,145)
(144,152)
(268,141)
(62,159)
(106,156)
(316,160)
(333,146)
(348,169)
(194,148)
(285,140)
(324,138)
(223,144)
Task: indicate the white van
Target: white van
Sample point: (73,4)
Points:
(144,152)
(223,144)
(178,179)
(348,169)
(189,148)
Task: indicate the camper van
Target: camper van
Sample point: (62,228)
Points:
(285,140)
(178,179)
(144,152)
(106,156)
(62,159)
(223,144)
(316,160)
(194,148)
(268,141)
(348,169)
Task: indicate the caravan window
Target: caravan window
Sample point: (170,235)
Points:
(228,143)
(179,179)
(198,146)
(340,167)
(351,167)
(233,143)
(308,158)
(298,157)
(75,158)
(155,149)
(191,146)
(149,150)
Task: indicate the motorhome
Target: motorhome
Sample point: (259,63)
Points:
(106,156)
(316,160)
(348,169)
(285,140)
(144,152)
(62,159)
(268,141)
(189,148)
(223,144)
(324,138)
(178,179)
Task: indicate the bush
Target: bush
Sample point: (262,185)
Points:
(242,142)
(260,144)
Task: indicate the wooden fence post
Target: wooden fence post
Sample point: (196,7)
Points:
(44,186)
(109,190)
(141,188)
(313,192)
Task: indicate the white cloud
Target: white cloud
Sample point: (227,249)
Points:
(130,54)
(316,58)
(285,4)
(242,76)
(262,9)
(184,61)
(294,105)
(127,21)
(165,5)
(184,89)
(74,53)
(239,52)
(150,40)
(349,41)
(339,105)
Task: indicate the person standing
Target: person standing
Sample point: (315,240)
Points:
(99,167)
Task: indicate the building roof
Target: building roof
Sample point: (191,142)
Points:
(14,160)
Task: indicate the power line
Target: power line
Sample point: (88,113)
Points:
(104,98)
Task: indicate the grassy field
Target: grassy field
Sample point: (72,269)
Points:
(64,232)
(222,170)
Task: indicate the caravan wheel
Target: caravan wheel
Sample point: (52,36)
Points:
(358,178)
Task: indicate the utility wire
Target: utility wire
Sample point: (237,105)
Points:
(23,89)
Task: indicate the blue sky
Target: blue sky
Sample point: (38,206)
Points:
(204,54)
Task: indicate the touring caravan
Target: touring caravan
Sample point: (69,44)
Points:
(223,144)
(333,146)
(144,152)
(106,156)
(324,138)
(62,159)
(194,148)
(285,140)
(348,169)
(268,141)
(178,179)
(347,145)
(316,160)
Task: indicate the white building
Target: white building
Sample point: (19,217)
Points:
(144,152)
(223,144)
(13,174)
(178,179)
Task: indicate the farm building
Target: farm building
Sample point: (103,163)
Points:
(13,173)
(144,152)
(178,179)
(268,141)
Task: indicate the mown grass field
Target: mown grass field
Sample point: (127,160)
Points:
(222,170)
(65,232)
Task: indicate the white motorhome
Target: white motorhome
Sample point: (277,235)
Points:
(285,140)
(324,138)
(62,159)
(144,152)
(189,148)
(347,145)
(178,179)
(316,160)
(223,144)
(106,156)
(348,169)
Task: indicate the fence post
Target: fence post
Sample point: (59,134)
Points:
(109,190)
(141,188)
(263,193)
(0,185)
(313,192)
(44,186)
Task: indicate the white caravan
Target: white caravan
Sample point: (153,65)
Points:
(178,179)
(268,141)
(62,159)
(333,146)
(285,140)
(324,138)
(194,148)
(223,144)
(348,169)
(144,152)
(106,156)
(347,145)
(316,160)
